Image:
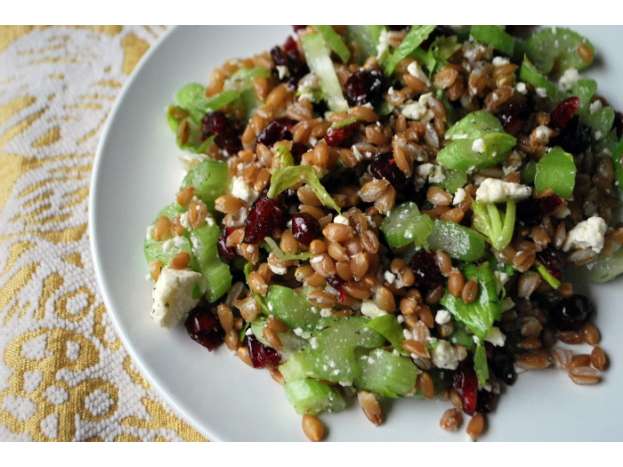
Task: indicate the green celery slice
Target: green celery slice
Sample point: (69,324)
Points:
(312,397)
(556,48)
(480,364)
(291,307)
(335,42)
(387,374)
(495,36)
(556,171)
(319,61)
(530,74)
(489,222)
(458,241)
(413,39)
(405,225)
(209,179)
(388,327)
(606,268)
(287,177)
(366,39)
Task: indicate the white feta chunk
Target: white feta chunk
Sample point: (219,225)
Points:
(568,79)
(443,316)
(521,88)
(500,61)
(383,45)
(492,190)
(241,190)
(415,70)
(587,234)
(445,356)
(419,110)
(478,145)
(173,296)
(496,337)
(542,134)
(459,196)
(282,71)
(340,219)
(595,106)
(389,277)
(541,92)
(369,309)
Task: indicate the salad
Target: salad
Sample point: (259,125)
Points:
(381,212)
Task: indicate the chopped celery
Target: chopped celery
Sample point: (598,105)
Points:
(388,327)
(366,39)
(426,58)
(287,177)
(191,98)
(606,268)
(312,397)
(406,225)
(442,48)
(584,89)
(617,158)
(495,36)
(335,42)
(557,49)
(488,221)
(345,122)
(474,125)
(297,366)
(600,121)
(319,60)
(387,374)
(216,273)
(335,357)
(281,255)
(165,251)
(413,39)
(209,180)
(480,364)
(289,341)
(458,241)
(460,336)
(476,141)
(291,307)
(282,148)
(547,276)
(454,180)
(243,78)
(556,171)
(528,173)
(194,141)
(530,74)
(479,316)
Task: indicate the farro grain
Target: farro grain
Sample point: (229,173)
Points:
(162,229)
(227,204)
(337,252)
(599,359)
(322,299)
(197,212)
(451,420)
(565,289)
(359,264)
(225,317)
(414,84)
(315,280)
(276,324)
(272,338)
(455,215)
(155,267)
(446,330)
(585,53)
(591,334)
(562,357)
(445,77)
(314,211)
(313,428)
(384,299)
(537,360)
(276,375)
(425,385)
(434,296)
(571,337)
(584,375)
(438,196)
(337,232)
(528,283)
(370,241)
(364,113)
(530,343)
(476,426)
(371,407)
(181,260)
(456,282)
(185,195)
(456,400)
(424,313)
(317,247)
(470,291)
(257,283)
(530,327)
(580,360)
(307,196)
(418,348)
(323,264)
(232,339)
(357,291)
(444,263)
(343,270)
(248,308)
(288,243)
(373,190)
(243,354)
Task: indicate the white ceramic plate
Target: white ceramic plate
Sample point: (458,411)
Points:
(137,172)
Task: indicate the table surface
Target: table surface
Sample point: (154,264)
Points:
(64,374)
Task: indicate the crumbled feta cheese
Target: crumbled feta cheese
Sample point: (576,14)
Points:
(316,259)
(383,45)
(445,356)
(415,70)
(424,170)
(326,312)
(492,190)
(568,79)
(437,175)
(357,152)
(307,86)
(587,234)
(277,269)
(340,219)
(419,110)
(500,61)
(313,342)
(459,196)
(400,319)
(282,71)
(496,337)
(167,246)
(521,88)
(508,304)
(173,296)
(241,190)
(478,145)
(541,92)
(598,135)
(369,309)
(542,134)
(443,316)
(389,277)
(595,106)
(149,234)
(184,220)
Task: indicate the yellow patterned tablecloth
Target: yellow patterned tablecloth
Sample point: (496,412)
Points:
(64,374)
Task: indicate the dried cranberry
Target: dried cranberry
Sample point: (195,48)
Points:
(532,210)
(553,260)
(305,228)
(397,27)
(565,111)
(513,114)
(384,166)
(502,363)
(298,149)
(575,137)
(225,131)
(487,401)
(276,130)
(340,136)
(571,313)
(203,326)
(288,56)
(365,86)
(337,283)
(290,46)
(262,355)
(427,273)
(227,253)
(298,28)
(466,385)
(618,124)
(265,216)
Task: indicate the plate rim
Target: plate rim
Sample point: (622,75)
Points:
(201,427)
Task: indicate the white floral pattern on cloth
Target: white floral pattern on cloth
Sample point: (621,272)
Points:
(64,374)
